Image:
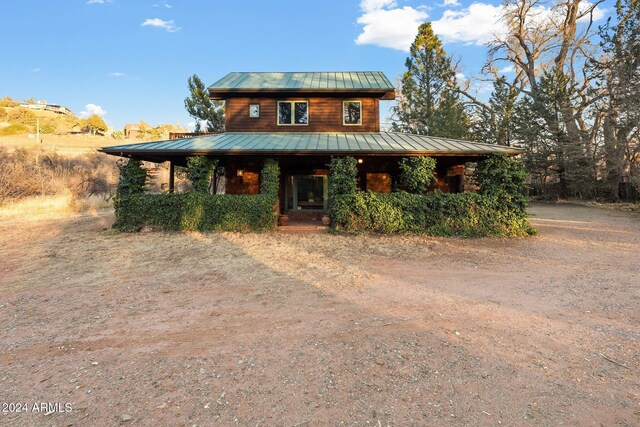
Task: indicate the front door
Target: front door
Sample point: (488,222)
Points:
(307,193)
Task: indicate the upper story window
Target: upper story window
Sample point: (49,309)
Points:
(293,113)
(352,112)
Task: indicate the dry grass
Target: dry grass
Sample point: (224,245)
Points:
(69,145)
(34,171)
(38,206)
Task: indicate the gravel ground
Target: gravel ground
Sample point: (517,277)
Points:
(310,330)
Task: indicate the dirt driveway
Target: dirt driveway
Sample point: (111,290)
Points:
(312,330)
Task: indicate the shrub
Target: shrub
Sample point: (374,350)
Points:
(22,116)
(133,178)
(201,170)
(343,172)
(14,129)
(7,101)
(32,171)
(437,214)
(3,114)
(343,182)
(199,211)
(503,177)
(47,127)
(417,173)
(270,178)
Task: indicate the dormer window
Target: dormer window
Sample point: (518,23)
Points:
(352,113)
(293,113)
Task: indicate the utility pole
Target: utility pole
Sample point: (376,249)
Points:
(38,131)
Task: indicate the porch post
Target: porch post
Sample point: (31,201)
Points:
(171,176)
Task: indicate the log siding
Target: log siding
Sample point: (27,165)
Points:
(325,115)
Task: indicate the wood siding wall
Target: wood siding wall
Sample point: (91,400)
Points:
(325,115)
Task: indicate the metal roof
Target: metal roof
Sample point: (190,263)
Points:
(307,143)
(303,81)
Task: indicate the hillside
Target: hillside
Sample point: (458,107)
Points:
(18,120)
(65,131)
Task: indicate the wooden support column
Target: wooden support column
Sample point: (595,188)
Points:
(171,176)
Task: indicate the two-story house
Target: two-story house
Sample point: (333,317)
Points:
(302,119)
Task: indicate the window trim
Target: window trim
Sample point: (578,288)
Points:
(344,102)
(293,114)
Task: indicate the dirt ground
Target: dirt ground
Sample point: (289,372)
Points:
(310,330)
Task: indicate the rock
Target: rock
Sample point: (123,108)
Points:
(125,418)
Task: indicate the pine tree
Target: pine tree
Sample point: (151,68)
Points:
(428,105)
(540,127)
(202,108)
(493,124)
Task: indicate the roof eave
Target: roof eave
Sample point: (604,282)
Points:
(138,152)
(222,93)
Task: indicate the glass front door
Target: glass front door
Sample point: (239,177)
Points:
(307,192)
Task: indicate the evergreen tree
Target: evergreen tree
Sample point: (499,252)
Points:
(493,125)
(428,105)
(530,132)
(540,127)
(202,108)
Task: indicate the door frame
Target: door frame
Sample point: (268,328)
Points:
(291,185)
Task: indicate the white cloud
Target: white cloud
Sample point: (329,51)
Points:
(99,1)
(385,25)
(117,74)
(161,23)
(371,5)
(460,76)
(478,23)
(91,109)
(191,126)
(165,5)
(36,70)
(507,69)
(598,12)
(473,25)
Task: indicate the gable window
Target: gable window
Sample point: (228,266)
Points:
(293,113)
(352,112)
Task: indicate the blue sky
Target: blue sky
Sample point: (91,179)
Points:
(129,60)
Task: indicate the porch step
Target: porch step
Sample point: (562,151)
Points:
(304,227)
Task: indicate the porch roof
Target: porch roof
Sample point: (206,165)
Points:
(307,143)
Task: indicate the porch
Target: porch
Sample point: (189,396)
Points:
(304,159)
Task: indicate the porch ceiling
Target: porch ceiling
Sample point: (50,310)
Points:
(306,143)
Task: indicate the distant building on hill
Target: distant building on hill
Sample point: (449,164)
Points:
(83,129)
(42,105)
(134,130)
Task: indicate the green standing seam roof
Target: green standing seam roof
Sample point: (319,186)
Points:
(262,143)
(367,80)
